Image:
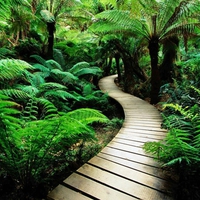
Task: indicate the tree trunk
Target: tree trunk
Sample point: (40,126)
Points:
(117,57)
(155,74)
(170,53)
(108,67)
(129,81)
(51,29)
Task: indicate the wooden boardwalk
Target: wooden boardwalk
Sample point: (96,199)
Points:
(122,170)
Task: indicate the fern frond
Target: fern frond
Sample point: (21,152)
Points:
(15,93)
(7,112)
(91,70)
(51,86)
(59,94)
(66,77)
(42,68)
(117,21)
(39,59)
(12,68)
(78,66)
(87,89)
(48,108)
(58,57)
(52,64)
(47,16)
(28,89)
(87,116)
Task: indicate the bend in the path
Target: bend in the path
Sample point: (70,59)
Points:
(122,170)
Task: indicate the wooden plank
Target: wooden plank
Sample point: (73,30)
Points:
(126,130)
(122,184)
(144,128)
(130,156)
(128,148)
(137,138)
(154,171)
(140,133)
(96,189)
(128,142)
(131,174)
(141,124)
(63,193)
(145,135)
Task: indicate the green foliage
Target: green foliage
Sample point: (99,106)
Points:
(12,68)
(47,16)
(180,148)
(33,152)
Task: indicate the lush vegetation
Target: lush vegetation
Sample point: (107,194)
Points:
(52,54)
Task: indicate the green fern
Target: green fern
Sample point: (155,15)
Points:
(30,112)
(15,93)
(12,68)
(78,66)
(59,94)
(65,77)
(39,59)
(52,64)
(48,109)
(47,16)
(91,71)
(58,57)
(31,152)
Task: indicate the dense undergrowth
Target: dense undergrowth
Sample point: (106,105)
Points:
(49,120)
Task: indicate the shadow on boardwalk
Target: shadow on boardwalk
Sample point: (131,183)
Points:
(122,170)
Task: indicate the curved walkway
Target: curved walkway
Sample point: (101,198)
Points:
(122,170)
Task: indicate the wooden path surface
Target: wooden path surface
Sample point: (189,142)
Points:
(122,170)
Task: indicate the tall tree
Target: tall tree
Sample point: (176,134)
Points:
(157,22)
(67,10)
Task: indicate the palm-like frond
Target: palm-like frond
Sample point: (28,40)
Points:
(7,112)
(39,59)
(118,21)
(66,77)
(51,86)
(91,71)
(12,68)
(48,108)
(58,57)
(59,94)
(87,116)
(30,90)
(79,66)
(47,16)
(15,93)
(52,64)
(84,68)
